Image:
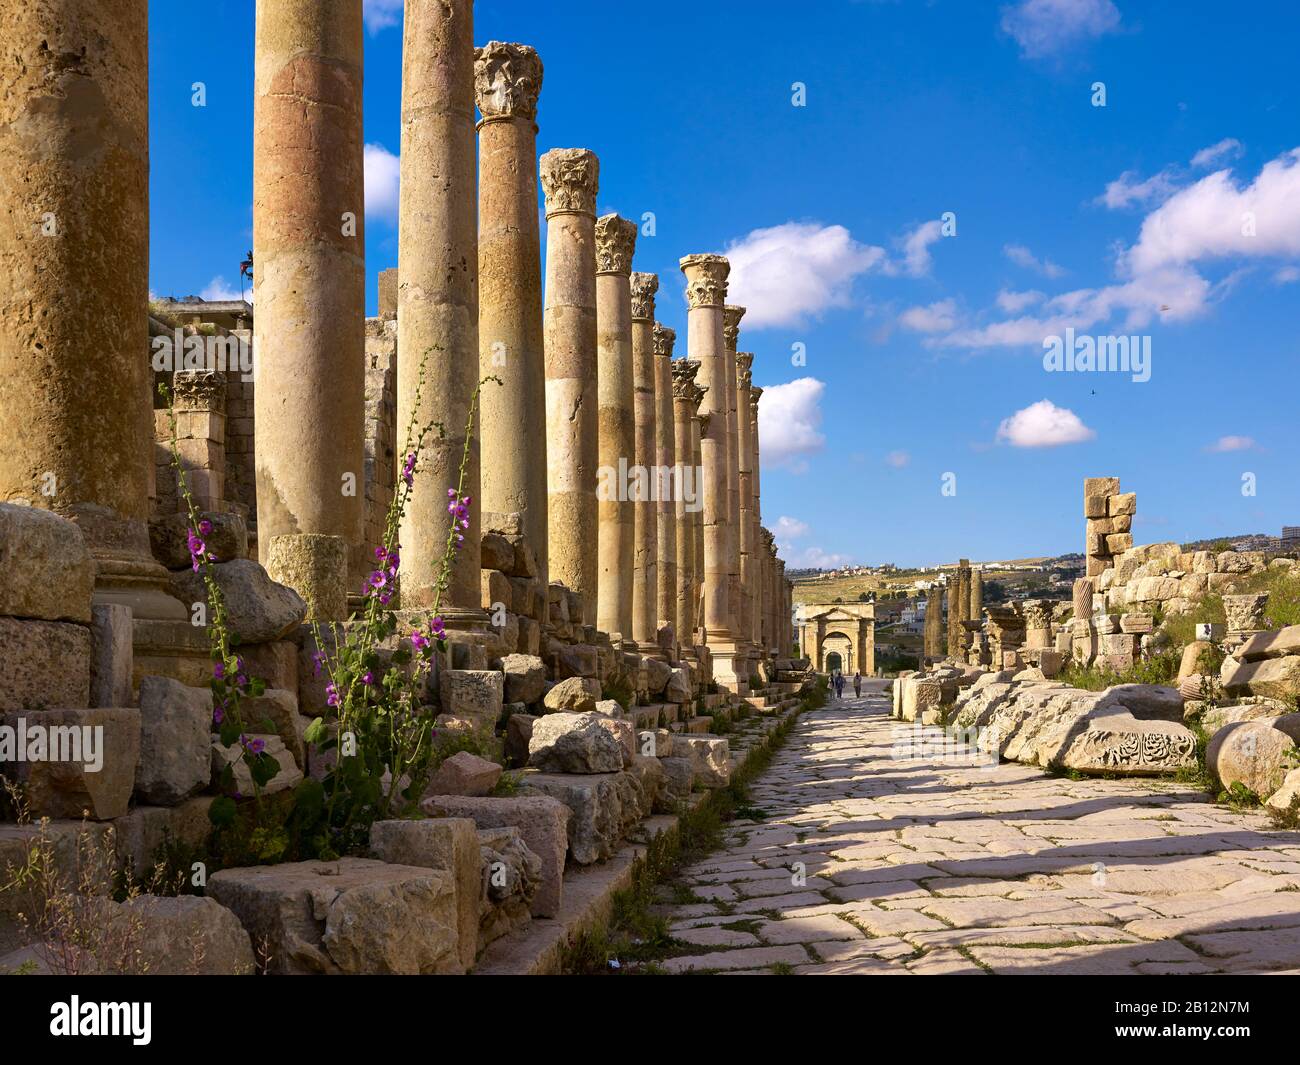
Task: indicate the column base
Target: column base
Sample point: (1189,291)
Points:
(730,667)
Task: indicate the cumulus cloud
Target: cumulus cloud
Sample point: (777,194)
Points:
(1287,275)
(937,317)
(789,422)
(1022,256)
(1015,302)
(816,558)
(381,14)
(897,459)
(382,173)
(916,248)
(788,528)
(788,273)
(1045,27)
(1232,443)
(220,290)
(1043,424)
(1229,147)
(1127,190)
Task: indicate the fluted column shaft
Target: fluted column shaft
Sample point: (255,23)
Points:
(666,522)
(508,78)
(745,480)
(615,243)
(437,296)
(645,506)
(569,181)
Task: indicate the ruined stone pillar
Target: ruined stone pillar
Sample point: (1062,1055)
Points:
(1082,593)
(686,399)
(976,611)
(933,643)
(437,298)
(765,579)
(666,517)
(615,244)
(706,283)
(76,414)
(758,547)
(731,317)
(784,625)
(569,180)
(507,80)
(309,283)
(699,430)
(642,483)
(745,498)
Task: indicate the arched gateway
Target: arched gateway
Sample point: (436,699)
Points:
(843,633)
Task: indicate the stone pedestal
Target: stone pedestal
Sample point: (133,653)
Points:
(569,180)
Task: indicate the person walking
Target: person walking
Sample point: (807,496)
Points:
(857,685)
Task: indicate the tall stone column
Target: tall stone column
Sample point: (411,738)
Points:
(687,396)
(706,284)
(745,498)
(933,641)
(667,521)
(76,415)
(437,296)
(756,520)
(644,486)
(699,430)
(731,317)
(615,244)
(569,181)
(976,610)
(507,80)
(310,289)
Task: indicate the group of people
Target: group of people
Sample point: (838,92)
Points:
(837,684)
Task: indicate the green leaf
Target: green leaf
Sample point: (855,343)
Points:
(263,768)
(222,811)
(315,732)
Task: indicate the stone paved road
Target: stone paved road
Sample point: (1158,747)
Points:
(915,866)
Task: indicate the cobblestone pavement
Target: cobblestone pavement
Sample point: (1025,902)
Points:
(865,863)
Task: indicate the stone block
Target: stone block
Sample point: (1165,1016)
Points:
(111,656)
(185,935)
(169,538)
(679,778)
(276,663)
(46,572)
(259,609)
(525,564)
(289,775)
(1255,753)
(1115,742)
(355,915)
(1276,678)
(519,732)
(577,660)
(498,554)
(44,665)
(73,763)
(573,695)
(476,694)
(525,678)
(1281,643)
(175,741)
(495,590)
(524,595)
(1122,504)
(576,743)
(464,774)
(1117,542)
(144,835)
(543,825)
(530,637)
(712,758)
(275,711)
(511,877)
(448,844)
(605,807)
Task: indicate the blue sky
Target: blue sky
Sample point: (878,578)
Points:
(1172,212)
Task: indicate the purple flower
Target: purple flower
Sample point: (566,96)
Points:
(332,695)
(205,527)
(318,660)
(252,744)
(418,640)
(367,678)
(219,670)
(218,714)
(408,469)
(438,627)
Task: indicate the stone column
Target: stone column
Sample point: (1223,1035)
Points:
(758,548)
(933,645)
(642,483)
(1038,622)
(76,413)
(667,520)
(976,611)
(731,317)
(745,498)
(437,297)
(507,80)
(309,286)
(699,430)
(686,400)
(569,180)
(1082,593)
(706,283)
(615,243)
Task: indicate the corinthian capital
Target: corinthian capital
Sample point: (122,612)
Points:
(507,80)
(570,177)
(644,287)
(615,243)
(731,317)
(706,280)
(745,360)
(755,393)
(663,339)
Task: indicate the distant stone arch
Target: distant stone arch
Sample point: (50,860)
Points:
(846,629)
(833,662)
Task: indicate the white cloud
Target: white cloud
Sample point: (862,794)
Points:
(789,420)
(816,558)
(382,174)
(1127,189)
(1043,424)
(1287,274)
(1232,443)
(1022,256)
(937,317)
(787,528)
(1015,302)
(381,14)
(1045,27)
(218,290)
(898,459)
(1207,157)
(916,248)
(789,272)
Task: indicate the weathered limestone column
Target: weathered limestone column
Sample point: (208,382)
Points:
(706,283)
(507,80)
(976,611)
(699,430)
(76,414)
(933,641)
(1082,594)
(765,579)
(731,317)
(686,400)
(615,244)
(642,483)
(309,284)
(745,499)
(784,627)
(569,180)
(666,518)
(437,297)
(758,548)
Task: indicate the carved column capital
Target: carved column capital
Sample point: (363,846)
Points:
(644,287)
(684,371)
(570,178)
(663,340)
(507,81)
(615,244)
(745,360)
(731,317)
(706,280)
